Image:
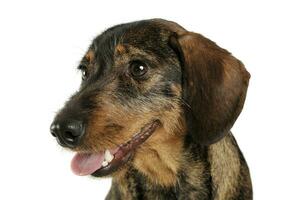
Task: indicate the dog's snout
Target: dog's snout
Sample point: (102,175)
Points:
(68,133)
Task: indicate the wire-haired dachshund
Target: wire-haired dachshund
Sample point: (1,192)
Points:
(154,111)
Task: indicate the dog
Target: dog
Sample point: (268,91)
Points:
(154,112)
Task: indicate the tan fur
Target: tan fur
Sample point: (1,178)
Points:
(159,158)
(120,49)
(90,56)
(176,89)
(193,87)
(225,168)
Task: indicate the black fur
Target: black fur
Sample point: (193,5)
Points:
(210,103)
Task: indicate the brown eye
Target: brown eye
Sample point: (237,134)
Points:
(138,69)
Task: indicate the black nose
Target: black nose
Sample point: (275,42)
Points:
(68,133)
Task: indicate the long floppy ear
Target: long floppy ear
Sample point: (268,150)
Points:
(214,86)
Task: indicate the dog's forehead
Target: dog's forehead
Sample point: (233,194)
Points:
(145,35)
(146,39)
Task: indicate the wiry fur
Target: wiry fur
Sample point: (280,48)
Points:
(195,88)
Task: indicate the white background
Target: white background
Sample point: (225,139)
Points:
(42,42)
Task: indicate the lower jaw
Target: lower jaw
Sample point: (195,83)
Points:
(126,151)
(113,167)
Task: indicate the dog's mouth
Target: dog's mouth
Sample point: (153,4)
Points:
(110,160)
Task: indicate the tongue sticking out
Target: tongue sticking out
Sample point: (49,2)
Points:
(84,163)
(91,163)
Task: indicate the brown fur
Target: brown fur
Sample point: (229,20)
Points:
(193,87)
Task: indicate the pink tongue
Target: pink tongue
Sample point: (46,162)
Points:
(84,163)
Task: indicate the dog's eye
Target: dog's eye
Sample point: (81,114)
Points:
(84,71)
(138,69)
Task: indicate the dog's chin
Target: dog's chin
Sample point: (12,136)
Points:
(111,160)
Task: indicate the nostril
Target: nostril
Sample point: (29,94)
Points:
(69,136)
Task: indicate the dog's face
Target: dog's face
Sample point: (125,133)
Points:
(145,84)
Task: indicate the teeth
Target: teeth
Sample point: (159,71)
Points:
(104,163)
(108,156)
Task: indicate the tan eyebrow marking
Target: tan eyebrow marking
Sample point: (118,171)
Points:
(120,49)
(90,56)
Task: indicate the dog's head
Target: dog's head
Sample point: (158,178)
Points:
(146,83)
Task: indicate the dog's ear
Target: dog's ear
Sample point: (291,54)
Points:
(214,86)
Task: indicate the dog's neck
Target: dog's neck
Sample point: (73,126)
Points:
(163,157)
(159,159)
(167,166)
(180,169)
(202,171)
